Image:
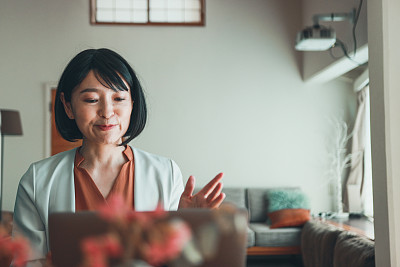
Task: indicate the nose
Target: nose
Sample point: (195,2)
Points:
(107,109)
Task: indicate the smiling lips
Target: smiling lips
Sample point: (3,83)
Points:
(106,127)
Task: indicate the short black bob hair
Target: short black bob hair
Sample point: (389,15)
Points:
(109,68)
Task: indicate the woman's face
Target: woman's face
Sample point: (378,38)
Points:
(101,114)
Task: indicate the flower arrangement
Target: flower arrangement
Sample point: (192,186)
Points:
(15,249)
(142,236)
(154,239)
(150,238)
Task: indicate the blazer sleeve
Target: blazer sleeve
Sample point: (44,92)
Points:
(27,220)
(177,186)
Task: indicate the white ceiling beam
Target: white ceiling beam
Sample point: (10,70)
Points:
(340,66)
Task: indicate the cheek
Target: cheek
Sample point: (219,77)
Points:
(83,115)
(126,112)
(127,117)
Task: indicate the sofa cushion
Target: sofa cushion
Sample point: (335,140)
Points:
(251,238)
(235,196)
(352,250)
(256,198)
(280,237)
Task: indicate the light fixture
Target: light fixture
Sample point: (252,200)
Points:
(318,37)
(10,124)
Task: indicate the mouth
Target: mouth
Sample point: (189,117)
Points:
(106,127)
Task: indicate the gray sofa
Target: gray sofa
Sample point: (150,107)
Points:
(261,240)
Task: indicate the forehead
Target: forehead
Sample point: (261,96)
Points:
(93,82)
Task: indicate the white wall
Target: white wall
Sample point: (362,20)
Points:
(316,61)
(226,97)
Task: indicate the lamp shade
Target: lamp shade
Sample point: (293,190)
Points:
(10,122)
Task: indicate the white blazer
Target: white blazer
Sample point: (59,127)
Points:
(48,186)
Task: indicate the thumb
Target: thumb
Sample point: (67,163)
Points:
(189,188)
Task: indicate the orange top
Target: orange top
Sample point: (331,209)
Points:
(89,197)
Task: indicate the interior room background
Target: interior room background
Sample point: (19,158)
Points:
(227,97)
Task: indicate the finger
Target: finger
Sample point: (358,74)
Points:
(189,187)
(217,202)
(215,192)
(211,185)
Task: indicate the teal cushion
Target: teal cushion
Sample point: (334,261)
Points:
(287,199)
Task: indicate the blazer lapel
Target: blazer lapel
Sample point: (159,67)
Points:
(147,191)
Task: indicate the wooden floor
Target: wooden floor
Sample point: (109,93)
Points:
(274,261)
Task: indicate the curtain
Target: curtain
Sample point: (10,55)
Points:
(355,184)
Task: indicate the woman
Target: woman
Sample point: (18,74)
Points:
(99,100)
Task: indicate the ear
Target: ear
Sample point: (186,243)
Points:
(67,107)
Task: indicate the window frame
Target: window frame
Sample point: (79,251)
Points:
(93,21)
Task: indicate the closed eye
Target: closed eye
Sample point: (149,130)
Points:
(90,100)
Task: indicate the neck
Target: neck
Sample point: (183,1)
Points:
(104,154)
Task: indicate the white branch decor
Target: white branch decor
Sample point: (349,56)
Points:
(340,159)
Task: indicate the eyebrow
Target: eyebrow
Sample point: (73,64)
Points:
(95,90)
(89,90)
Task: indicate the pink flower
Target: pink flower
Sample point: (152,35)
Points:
(178,238)
(112,246)
(98,250)
(161,251)
(159,212)
(139,235)
(93,253)
(139,217)
(146,218)
(17,249)
(115,209)
(20,250)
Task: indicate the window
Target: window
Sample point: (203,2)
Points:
(368,198)
(148,12)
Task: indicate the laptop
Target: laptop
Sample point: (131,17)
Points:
(226,247)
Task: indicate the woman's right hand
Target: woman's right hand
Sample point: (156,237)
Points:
(210,196)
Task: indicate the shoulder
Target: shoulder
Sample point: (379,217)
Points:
(56,161)
(149,160)
(141,155)
(47,167)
